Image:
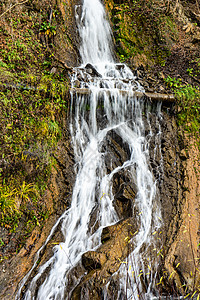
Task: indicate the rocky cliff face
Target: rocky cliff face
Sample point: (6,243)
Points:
(182,245)
(175,170)
(175,167)
(179,193)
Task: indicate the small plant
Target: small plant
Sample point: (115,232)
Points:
(1,242)
(190,71)
(7,200)
(25,190)
(188,100)
(3,64)
(47,29)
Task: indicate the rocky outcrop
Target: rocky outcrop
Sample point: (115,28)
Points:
(173,168)
(175,171)
(67,40)
(124,188)
(106,260)
(182,247)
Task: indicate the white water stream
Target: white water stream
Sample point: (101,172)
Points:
(123,115)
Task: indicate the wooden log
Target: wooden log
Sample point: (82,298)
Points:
(154,97)
(160,97)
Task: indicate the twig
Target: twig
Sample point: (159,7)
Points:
(197,3)
(177,3)
(13,7)
(195,79)
(50,17)
(63,63)
(168,7)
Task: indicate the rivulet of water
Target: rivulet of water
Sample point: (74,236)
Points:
(123,113)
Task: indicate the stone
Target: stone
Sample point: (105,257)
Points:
(77,83)
(106,260)
(92,260)
(92,71)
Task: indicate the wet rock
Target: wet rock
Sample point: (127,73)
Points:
(77,84)
(120,67)
(106,260)
(138,74)
(92,260)
(124,189)
(92,71)
(116,151)
(150,90)
(144,84)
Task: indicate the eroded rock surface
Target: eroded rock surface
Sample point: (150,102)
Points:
(182,247)
(106,260)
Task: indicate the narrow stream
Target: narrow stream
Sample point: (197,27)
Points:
(102,110)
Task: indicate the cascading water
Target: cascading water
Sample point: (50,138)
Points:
(113,90)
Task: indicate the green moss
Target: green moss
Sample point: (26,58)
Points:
(141,28)
(188,100)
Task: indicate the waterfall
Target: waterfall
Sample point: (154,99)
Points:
(123,114)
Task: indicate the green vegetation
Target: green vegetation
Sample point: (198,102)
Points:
(188,97)
(138,26)
(33,102)
(47,29)
(31,126)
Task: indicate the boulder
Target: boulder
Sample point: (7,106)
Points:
(106,260)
